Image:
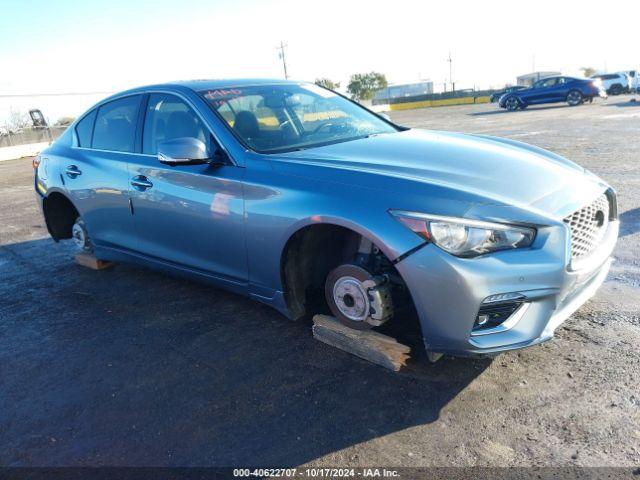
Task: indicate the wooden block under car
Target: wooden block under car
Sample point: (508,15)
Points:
(367,344)
(90,261)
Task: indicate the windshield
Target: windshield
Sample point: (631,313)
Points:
(279,118)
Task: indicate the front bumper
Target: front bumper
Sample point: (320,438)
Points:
(448,292)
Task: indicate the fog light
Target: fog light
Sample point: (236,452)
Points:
(497,311)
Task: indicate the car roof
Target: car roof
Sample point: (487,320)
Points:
(561,76)
(197,86)
(202,85)
(208,84)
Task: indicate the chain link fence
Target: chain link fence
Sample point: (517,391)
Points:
(31,135)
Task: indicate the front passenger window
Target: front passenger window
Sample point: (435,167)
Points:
(169,117)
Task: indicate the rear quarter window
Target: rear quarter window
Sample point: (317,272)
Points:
(84,129)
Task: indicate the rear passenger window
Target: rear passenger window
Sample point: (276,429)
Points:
(116,125)
(84,129)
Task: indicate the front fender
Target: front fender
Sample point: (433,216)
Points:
(378,240)
(279,205)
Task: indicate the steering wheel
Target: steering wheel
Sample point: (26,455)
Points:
(323,125)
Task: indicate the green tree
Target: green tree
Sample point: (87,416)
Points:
(363,86)
(327,83)
(588,71)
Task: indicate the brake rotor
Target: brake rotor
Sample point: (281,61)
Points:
(357,298)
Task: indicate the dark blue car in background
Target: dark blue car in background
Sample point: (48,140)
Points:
(572,90)
(497,95)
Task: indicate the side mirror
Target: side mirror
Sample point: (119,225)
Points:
(183,151)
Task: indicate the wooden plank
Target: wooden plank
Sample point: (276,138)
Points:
(367,344)
(90,261)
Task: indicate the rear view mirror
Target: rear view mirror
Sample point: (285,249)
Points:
(183,151)
(277,101)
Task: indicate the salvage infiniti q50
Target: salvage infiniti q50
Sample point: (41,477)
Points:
(298,197)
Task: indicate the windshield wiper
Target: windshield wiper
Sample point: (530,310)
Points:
(321,144)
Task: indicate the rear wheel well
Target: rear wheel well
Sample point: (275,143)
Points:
(60,215)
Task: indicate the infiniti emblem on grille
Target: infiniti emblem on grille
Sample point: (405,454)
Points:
(599,218)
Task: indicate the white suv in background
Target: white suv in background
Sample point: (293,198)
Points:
(615,83)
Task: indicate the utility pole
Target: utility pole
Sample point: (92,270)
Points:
(281,55)
(451,71)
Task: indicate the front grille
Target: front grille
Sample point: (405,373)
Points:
(588,226)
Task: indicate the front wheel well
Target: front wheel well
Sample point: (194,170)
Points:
(308,257)
(314,251)
(60,215)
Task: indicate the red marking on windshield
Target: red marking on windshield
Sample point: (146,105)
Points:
(211,94)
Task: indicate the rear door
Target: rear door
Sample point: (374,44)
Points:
(562,88)
(189,215)
(97,176)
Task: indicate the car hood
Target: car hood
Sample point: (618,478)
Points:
(500,171)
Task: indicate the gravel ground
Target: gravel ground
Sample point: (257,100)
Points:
(131,367)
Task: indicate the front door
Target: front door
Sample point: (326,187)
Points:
(188,215)
(543,91)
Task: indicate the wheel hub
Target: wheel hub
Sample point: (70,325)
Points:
(80,236)
(351,298)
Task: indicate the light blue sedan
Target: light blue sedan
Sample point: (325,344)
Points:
(304,200)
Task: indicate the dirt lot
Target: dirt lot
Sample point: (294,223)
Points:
(131,367)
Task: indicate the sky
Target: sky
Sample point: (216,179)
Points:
(61,46)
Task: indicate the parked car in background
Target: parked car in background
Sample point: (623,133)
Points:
(614,83)
(299,198)
(496,96)
(572,90)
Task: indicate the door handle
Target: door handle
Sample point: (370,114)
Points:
(72,171)
(141,182)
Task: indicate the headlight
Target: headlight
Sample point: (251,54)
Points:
(463,237)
